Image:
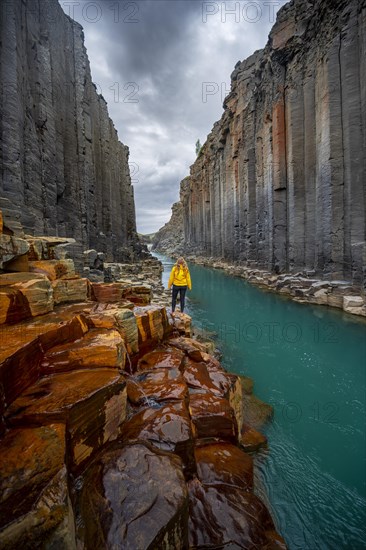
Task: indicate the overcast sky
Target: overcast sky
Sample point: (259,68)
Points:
(164,67)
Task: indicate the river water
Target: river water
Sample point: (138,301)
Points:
(309,362)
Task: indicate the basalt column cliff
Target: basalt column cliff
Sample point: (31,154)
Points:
(280,181)
(64,171)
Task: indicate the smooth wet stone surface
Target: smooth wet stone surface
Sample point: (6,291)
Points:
(223,516)
(134,498)
(98,348)
(91,403)
(161,384)
(224,463)
(212,416)
(159,359)
(188,347)
(29,459)
(167,427)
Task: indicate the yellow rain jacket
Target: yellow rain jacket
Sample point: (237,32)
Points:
(180,277)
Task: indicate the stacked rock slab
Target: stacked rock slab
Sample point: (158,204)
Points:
(64,171)
(280,182)
(116,430)
(65,345)
(183,427)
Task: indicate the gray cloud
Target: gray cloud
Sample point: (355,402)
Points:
(150,59)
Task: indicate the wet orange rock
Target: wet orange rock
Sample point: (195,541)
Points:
(98,348)
(24,295)
(212,416)
(159,359)
(224,463)
(188,346)
(201,376)
(209,377)
(70,290)
(117,316)
(227,517)
(158,385)
(152,325)
(166,426)
(1,222)
(53,269)
(23,345)
(134,497)
(251,440)
(29,459)
(92,404)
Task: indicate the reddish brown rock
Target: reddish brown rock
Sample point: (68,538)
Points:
(251,440)
(224,463)
(22,351)
(161,384)
(138,294)
(98,348)
(167,427)
(92,404)
(24,295)
(30,459)
(212,417)
(152,325)
(117,316)
(159,359)
(19,369)
(224,516)
(107,292)
(189,346)
(134,497)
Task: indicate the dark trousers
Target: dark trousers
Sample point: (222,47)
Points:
(182,296)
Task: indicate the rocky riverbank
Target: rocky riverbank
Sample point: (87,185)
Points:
(301,287)
(117,429)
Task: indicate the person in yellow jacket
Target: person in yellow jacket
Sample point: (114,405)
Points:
(180,279)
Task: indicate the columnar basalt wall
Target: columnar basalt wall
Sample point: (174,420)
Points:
(280,182)
(63,168)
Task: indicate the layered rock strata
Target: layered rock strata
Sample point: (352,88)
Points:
(279,184)
(117,430)
(63,169)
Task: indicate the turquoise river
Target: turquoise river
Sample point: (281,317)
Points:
(309,362)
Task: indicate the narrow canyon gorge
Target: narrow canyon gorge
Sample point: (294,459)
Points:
(119,425)
(279,186)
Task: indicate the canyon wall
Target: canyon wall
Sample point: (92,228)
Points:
(280,182)
(170,238)
(64,171)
